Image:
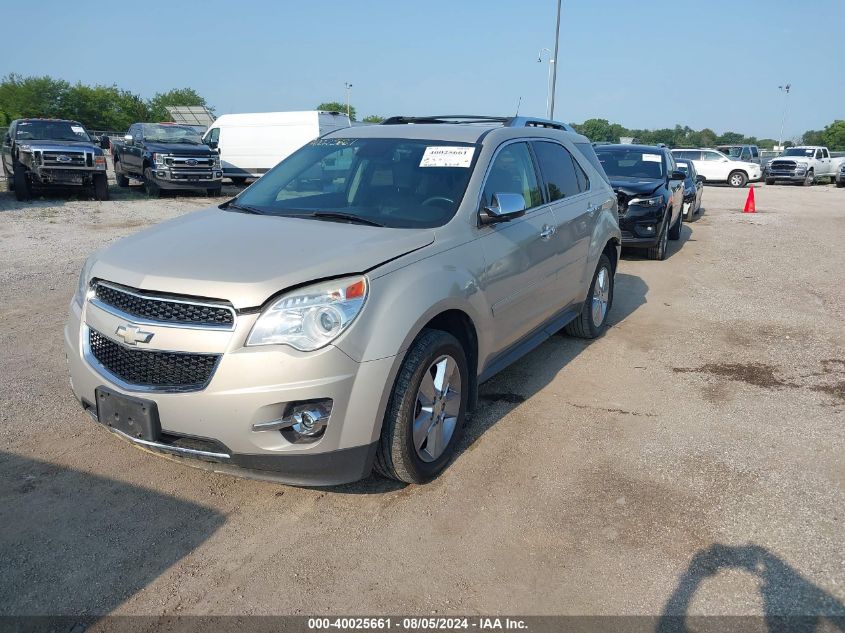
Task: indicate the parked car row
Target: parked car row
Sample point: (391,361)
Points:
(804,165)
(715,167)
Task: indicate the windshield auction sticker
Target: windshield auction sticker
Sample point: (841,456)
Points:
(447,156)
(652,158)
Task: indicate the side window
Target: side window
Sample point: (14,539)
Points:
(590,154)
(818,153)
(746,153)
(755,153)
(213,136)
(583,179)
(671,165)
(558,170)
(825,153)
(710,156)
(513,172)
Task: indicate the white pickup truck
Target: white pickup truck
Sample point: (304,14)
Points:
(804,164)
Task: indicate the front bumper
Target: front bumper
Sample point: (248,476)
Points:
(213,428)
(641,226)
(63,175)
(201,179)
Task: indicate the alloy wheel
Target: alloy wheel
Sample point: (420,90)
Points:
(601,296)
(437,407)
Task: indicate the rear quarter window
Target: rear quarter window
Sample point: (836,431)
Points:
(587,151)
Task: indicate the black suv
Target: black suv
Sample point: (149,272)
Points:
(650,194)
(52,152)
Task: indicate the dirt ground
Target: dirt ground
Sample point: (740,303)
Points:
(691,461)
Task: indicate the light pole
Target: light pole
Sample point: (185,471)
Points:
(785,90)
(554,60)
(548,51)
(348,88)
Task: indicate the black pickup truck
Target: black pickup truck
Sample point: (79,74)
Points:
(44,153)
(166,156)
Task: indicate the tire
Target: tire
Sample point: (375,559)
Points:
(23,192)
(840,183)
(810,179)
(215,192)
(122,180)
(770,181)
(675,229)
(658,251)
(101,187)
(584,325)
(398,456)
(153,190)
(737,179)
(238,182)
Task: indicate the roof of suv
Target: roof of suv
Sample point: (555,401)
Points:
(636,148)
(456,128)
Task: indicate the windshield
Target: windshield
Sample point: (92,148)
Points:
(734,151)
(682,167)
(398,183)
(51,131)
(631,163)
(800,151)
(158,133)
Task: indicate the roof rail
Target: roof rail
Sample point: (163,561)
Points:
(515,121)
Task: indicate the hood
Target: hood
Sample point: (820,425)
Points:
(796,159)
(247,258)
(634,186)
(183,149)
(61,146)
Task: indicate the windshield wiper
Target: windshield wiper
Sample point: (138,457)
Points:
(349,217)
(246,209)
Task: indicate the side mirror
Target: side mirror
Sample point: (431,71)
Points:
(7,139)
(678,175)
(503,207)
(212,144)
(699,179)
(105,142)
(128,138)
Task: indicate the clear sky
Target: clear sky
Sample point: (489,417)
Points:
(644,64)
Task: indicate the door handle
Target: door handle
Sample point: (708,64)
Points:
(547,232)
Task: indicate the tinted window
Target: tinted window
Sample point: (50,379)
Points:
(583,179)
(754,152)
(746,154)
(688,154)
(558,170)
(589,153)
(513,172)
(213,135)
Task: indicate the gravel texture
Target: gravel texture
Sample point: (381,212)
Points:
(690,461)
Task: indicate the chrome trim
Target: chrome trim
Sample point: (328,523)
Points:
(151,322)
(97,366)
(167,448)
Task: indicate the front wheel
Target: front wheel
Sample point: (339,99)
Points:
(426,412)
(153,190)
(809,179)
(101,187)
(592,321)
(770,181)
(840,183)
(737,179)
(122,180)
(22,187)
(658,251)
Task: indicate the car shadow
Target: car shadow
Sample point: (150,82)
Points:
(73,543)
(791,603)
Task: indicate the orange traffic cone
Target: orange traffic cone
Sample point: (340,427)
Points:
(749,202)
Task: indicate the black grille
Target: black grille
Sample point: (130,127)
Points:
(782,165)
(160,309)
(70,159)
(150,368)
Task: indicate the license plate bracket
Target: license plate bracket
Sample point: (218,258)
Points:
(136,417)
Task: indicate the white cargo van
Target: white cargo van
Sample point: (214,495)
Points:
(251,144)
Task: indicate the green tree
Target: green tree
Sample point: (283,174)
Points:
(730,138)
(834,136)
(337,106)
(103,107)
(708,138)
(813,137)
(373,118)
(175,97)
(31,96)
(598,130)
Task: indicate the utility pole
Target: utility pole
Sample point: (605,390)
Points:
(348,88)
(549,86)
(554,61)
(785,90)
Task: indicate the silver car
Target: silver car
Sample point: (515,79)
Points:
(340,313)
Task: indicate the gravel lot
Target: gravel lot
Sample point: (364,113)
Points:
(690,461)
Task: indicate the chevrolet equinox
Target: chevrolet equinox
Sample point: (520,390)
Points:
(339,314)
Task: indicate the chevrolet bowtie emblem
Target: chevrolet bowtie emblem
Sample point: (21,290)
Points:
(132,335)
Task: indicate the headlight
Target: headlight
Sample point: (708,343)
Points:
(84,281)
(99,162)
(311,317)
(646,202)
(158,159)
(217,162)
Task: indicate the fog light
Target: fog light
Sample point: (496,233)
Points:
(218,174)
(302,422)
(162,174)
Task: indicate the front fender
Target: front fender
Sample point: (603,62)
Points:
(606,229)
